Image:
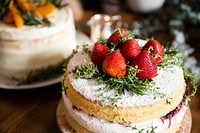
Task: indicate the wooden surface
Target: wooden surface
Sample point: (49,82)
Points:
(34,111)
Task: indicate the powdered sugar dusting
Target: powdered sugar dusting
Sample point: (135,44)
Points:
(167,81)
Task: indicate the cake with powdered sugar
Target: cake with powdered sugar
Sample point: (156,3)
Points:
(34,35)
(125,85)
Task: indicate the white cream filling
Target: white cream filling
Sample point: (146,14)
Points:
(98,125)
(167,82)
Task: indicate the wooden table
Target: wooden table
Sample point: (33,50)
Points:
(34,110)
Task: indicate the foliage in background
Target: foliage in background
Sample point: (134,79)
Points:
(181,20)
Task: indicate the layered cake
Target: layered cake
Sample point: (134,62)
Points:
(34,36)
(125,85)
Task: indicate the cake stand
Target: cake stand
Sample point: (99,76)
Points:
(65,128)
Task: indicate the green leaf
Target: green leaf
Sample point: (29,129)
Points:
(32,19)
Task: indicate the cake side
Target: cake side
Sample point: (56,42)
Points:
(82,121)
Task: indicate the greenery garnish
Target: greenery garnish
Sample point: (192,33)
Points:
(41,74)
(86,49)
(171,57)
(32,19)
(168,101)
(193,79)
(150,129)
(129,82)
(4,4)
(87,71)
(112,100)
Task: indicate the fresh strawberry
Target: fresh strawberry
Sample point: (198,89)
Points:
(116,37)
(146,64)
(99,53)
(115,65)
(156,50)
(130,49)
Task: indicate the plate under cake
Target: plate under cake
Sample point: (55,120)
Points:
(91,107)
(30,48)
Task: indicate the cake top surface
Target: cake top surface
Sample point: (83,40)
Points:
(166,83)
(124,71)
(35,27)
(57,17)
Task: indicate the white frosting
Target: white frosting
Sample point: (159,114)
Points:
(34,47)
(102,126)
(166,80)
(59,19)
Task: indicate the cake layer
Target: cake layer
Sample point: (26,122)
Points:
(87,95)
(30,48)
(82,122)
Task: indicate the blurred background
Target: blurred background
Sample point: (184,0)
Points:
(170,21)
(176,22)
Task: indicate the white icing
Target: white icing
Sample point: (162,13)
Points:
(34,47)
(98,125)
(166,80)
(59,19)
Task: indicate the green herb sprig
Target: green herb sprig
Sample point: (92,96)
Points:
(41,74)
(193,80)
(171,57)
(87,71)
(150,129)
(32,19)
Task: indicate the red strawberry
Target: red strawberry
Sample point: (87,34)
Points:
(115,65)
(156,49)
(130,49)
(145,62)
(99,53)
(117,35)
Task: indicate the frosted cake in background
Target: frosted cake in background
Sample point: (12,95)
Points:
(41,35)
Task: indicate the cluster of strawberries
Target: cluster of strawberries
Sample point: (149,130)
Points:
(127,52)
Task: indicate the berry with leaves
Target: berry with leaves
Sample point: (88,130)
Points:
(115,65)
(130,49)
(146,64)
(155,49)
(116,37)
(99,53)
